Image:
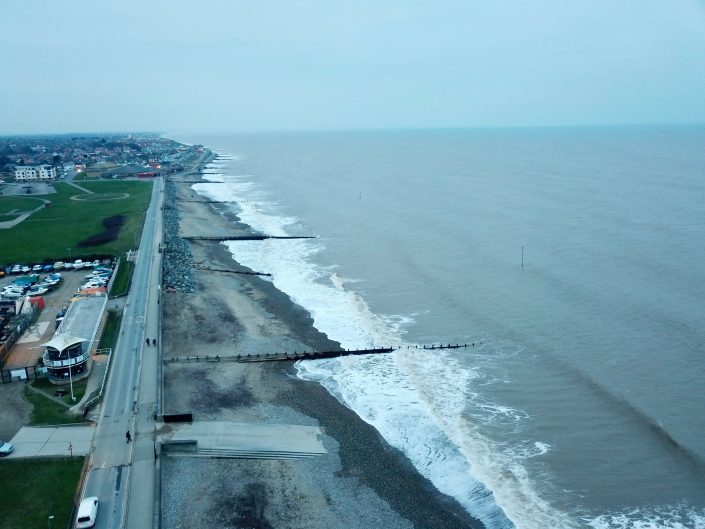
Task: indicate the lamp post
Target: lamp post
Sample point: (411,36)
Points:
(71,381)
(69,250)
(49,519)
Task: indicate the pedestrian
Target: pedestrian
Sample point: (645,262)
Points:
(128,436)
(154,341)
(147,340)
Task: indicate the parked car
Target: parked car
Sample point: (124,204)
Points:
(16,269)
(78,264)
(37,268)
(6,448)
(58,265)
(68,266)
(87,513)
(95,263)
(48,268)
(26,269)
(37,290)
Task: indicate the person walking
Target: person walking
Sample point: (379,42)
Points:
(128,436)
(154,341)
(147,340)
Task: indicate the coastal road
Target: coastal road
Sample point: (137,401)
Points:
(119,470)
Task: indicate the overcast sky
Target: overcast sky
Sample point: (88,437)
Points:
(230,65)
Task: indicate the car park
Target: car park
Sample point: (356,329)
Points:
(12,295)
(6,448)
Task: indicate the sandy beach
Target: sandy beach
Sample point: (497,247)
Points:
(361,482)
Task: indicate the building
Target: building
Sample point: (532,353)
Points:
(35,172)
(71,346)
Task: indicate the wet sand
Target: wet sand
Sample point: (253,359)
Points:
(362,481)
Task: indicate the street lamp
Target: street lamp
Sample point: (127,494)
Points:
(49,521)
(69,249)
(71,382)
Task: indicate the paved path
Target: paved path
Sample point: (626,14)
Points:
(33,441)
(11,223)
(88,191)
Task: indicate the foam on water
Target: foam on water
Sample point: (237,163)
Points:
(676,517)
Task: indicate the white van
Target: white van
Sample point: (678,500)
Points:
(87,513)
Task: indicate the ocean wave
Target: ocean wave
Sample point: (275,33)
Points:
(676,517)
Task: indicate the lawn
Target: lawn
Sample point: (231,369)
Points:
(53,233)
(35,489)
(47,411)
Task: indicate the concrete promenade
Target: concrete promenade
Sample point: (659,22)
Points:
(54,441)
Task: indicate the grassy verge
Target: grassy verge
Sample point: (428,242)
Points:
(50,232)
(122,278)
(46,411)
(35,489)
(110,332)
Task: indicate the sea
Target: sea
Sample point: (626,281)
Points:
(571,261)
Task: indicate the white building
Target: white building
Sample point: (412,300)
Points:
(67,354)
(35,172)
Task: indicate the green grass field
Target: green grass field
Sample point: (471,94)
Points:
(46,411)
(79,389)
(21,204)
(48,234)
(35,489)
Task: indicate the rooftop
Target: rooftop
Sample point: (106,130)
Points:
(82,317)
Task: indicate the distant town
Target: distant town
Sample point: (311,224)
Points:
(106,156)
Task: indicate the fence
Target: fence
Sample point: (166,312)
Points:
(21,373)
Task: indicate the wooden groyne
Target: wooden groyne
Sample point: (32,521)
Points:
(305,355)
(195,201)
(228,271)
(242,237)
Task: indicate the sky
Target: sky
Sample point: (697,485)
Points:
(246,65)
